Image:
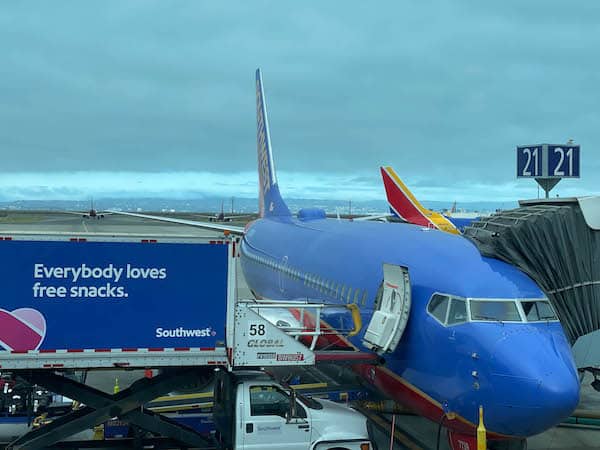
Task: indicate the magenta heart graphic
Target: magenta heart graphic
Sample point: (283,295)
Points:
(22,329)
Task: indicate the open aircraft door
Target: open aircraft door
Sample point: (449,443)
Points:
(393,309)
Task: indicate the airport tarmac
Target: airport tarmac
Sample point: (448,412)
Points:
(17,222)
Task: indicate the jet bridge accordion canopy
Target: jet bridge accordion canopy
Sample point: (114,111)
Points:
(558,245)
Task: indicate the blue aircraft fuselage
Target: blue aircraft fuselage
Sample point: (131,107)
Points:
(522,373)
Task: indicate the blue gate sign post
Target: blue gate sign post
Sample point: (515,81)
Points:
(548,163)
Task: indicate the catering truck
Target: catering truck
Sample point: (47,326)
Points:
(125,301)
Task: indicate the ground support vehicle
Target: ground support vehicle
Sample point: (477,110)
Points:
(253,412)
(96,302)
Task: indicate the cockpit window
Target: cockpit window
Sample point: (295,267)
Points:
(498,310)
(538,310)
(438,306)
(458,311)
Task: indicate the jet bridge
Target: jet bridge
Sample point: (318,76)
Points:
(557,243)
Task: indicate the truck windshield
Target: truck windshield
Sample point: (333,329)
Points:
(494,310)
(538,310)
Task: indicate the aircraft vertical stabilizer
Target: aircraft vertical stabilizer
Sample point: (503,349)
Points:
(403,203)
(270,201)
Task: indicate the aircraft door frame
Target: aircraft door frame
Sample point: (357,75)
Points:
(393,310)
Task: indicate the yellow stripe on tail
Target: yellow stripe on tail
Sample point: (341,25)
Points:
(438,220)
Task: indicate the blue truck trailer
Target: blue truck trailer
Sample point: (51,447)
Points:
(113,302)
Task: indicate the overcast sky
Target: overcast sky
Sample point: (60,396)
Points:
(157,97)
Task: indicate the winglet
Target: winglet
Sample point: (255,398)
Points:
(404,204)
(270,201)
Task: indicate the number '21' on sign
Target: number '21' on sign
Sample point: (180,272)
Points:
(548,161)
(563,161)
(529,161)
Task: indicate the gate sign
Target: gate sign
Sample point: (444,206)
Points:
(563,161)
(529,161)
(548,161)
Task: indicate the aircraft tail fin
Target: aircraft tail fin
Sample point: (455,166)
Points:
(404,204)
(401,200)
(270,201)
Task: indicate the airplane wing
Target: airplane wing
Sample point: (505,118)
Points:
(87,213)
(193,223)
(372,217)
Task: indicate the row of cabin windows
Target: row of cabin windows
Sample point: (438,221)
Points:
(348,294)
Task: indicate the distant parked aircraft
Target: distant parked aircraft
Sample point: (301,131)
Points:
(221,217)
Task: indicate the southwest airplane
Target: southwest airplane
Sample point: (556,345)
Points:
(405,205)
(457,330)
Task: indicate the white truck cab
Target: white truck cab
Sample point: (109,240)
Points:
(252,411)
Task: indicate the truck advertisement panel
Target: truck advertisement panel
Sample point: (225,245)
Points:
(112,295)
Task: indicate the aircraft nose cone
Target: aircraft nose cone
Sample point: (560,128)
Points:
(538,388)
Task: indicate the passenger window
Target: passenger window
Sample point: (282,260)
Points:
(268,401)
(458,311)
(364,298)
(356,295)
(438,305)
(349,296)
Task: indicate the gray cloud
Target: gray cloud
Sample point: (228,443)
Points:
(441,90)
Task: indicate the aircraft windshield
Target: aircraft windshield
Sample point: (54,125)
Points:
(495,310)
(538,310)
